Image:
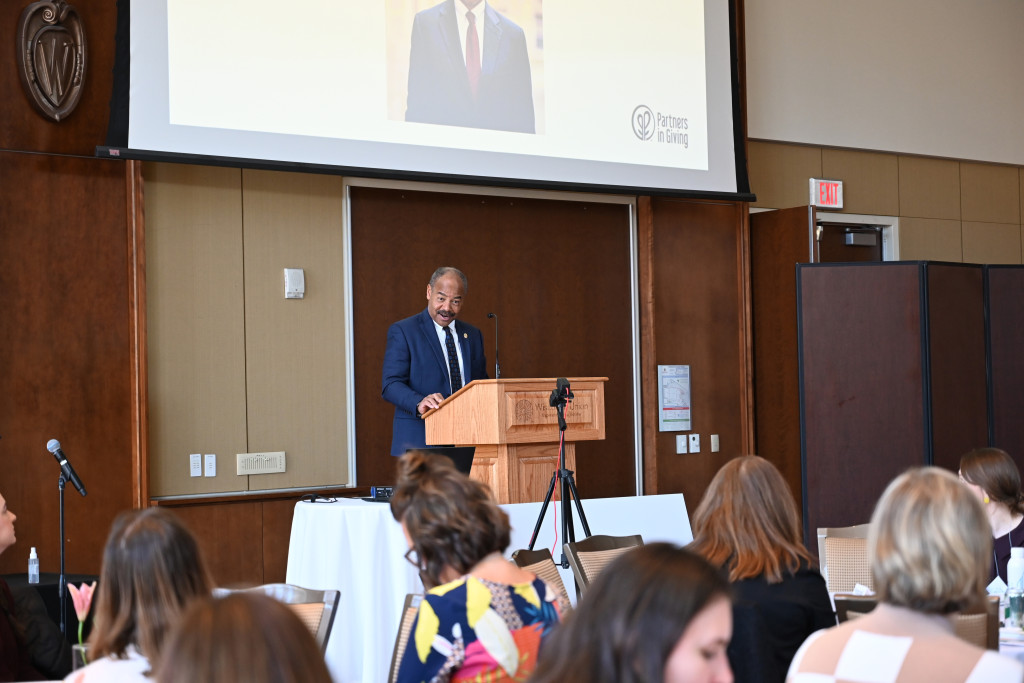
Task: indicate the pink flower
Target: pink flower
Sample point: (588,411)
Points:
(82,597)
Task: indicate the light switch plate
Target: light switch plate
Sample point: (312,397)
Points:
(211,465)
(680,443)
(195,465)
(714,443)
(695,443)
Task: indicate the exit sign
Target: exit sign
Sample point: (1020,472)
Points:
(826,194)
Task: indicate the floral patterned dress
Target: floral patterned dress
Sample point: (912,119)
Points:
(476,630)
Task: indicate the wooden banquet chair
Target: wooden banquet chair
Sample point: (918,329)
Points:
(979,626)
(589,556)
(316,608)
(843,557)
(409,610)
(543,565)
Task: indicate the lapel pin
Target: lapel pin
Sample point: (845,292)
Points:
(465,335)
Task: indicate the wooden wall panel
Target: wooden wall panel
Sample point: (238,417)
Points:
(956,341)
(989,193)
(196,325)
(700,319)
(862,375)
(930,239)
(870,180)
(230,537)
(557,273)
(991,242)
(295,357)
(778,241)
(1005,293)
(779,174)
(65,351)
(929,188)
(21,127)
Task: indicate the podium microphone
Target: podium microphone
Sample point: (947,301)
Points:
(497,366)
(69,472)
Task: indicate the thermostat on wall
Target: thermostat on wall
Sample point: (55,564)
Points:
(294,283)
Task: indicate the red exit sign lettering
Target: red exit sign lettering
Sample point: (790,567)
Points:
(826,194)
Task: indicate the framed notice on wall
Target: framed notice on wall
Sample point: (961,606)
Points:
(674,398)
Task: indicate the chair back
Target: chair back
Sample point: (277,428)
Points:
(315,608)
(543,565)
(409,610)
(849,606)
(843,557)
(979,627)
(591,555)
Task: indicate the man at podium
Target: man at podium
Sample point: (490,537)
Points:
(428,357)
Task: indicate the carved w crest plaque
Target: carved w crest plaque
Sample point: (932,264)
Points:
(52,57)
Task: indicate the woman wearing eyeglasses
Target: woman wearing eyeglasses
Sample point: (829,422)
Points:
(486,618)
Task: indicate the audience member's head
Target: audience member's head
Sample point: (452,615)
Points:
(152,570)
(747,522)
(929,543)
(993,476)
(244,636)
(7,537)
(657,613)
(452,521)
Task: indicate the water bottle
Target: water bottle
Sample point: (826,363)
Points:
(1015,568)
(33,566)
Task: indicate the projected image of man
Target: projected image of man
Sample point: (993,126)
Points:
(469,67)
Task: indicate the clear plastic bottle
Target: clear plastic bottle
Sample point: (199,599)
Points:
(1015,569)
(33,566)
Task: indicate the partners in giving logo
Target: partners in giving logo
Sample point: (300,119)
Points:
(664,128)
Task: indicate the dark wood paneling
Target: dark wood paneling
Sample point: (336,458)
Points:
(230,536)
(862,365)
(65,351)
(1005,289)
(700,320)
(557,274)
(778,241)
(277,531)
(956,341)
(21,127)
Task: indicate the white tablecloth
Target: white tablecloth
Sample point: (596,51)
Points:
(357,548)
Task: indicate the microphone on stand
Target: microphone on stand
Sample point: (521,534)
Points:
(69,472)
(497,365)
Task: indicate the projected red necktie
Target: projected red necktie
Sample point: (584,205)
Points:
(472,53)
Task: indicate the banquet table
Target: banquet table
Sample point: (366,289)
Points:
(356,547)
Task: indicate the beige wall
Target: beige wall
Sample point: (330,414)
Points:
(949,210)
(234,367)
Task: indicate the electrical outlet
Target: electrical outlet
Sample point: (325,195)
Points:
(211,465)
(195,465)
(680,443)
(695,443)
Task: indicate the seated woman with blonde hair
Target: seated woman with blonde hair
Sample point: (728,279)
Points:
(929,546)
(486,619)
(152,571)
(747,525)
(242,637)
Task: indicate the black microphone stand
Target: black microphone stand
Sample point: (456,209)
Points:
(497,365)
(566,480)
(62,590)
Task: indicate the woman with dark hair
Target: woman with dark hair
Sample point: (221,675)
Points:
(152,571)
(994,478)
(242,637)
(486,618)
(15,663)
(657,613)
(747,525)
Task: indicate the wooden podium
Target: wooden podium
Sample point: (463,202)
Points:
(515,431)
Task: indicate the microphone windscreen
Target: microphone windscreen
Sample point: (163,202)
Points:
(53,445)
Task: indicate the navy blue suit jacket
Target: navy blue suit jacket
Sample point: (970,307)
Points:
(439,87)
(415,366)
